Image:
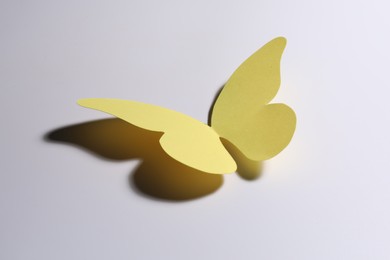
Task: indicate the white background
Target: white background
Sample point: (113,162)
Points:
(326,196)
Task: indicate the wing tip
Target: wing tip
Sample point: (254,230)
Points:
(281,41)
(87,102)
(82,101)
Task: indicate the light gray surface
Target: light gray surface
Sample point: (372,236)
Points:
(325,197)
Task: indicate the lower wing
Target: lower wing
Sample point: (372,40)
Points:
(185,139)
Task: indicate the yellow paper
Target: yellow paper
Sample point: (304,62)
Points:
(241,115)
(185,139)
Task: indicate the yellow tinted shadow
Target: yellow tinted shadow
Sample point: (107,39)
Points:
(158,176)
(246,169)
(176,182)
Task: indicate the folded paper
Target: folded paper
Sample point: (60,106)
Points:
(241,117)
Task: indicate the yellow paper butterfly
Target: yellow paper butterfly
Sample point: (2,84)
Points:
(241,118)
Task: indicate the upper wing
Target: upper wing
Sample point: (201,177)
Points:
(241,114)
(185,139)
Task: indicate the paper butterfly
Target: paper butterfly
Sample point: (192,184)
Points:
(241,118)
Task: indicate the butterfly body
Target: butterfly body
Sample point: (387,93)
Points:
(241,115)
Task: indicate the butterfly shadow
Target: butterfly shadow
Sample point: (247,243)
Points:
(158,176)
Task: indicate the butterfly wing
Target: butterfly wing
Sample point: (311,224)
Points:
(241,114)
(185,139)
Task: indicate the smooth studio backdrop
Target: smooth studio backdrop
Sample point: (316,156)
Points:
(326,196)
